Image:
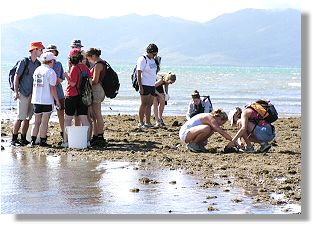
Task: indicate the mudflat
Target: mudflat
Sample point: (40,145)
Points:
(259,174)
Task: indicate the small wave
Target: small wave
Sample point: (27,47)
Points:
(294,84)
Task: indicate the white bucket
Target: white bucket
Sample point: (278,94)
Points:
(77,136)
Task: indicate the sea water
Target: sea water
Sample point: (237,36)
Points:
(64,184)
(227,86)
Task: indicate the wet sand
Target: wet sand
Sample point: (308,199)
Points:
(260,174)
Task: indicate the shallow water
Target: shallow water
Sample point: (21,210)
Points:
(52,184)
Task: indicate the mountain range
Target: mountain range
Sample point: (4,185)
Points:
(249,37)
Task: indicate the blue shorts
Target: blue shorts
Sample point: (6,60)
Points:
(264,133)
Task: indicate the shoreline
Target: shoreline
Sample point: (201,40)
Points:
(259,174)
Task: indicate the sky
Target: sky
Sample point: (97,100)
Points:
(194,10)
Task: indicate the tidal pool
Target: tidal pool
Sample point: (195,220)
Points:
(61,184)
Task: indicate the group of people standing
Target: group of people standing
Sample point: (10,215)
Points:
(38,88)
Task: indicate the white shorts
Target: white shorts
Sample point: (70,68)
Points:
(183,132)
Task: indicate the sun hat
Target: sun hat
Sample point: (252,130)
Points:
(36,45)
(74,52)
(231,116)
(76,43)
(52,47)
(48,56)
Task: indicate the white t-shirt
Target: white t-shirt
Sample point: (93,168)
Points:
(44,76)
(149,70)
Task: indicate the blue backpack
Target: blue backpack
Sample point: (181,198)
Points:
(13,72)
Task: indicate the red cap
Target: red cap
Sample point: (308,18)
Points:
(74,52)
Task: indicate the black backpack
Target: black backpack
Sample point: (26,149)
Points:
(134,74)
(85,88)
(110,81)
(12,72)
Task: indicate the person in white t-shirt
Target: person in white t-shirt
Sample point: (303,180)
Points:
(147,69)
(43,96)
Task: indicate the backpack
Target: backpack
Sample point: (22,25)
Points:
(134,74)
(12,72)
(110,82)
(85,88)
(265,110)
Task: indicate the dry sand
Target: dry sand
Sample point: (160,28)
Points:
(260,174)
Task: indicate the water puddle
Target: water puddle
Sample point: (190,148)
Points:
(33,184)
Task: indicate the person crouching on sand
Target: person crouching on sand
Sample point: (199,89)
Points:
(249,132)
(196,131)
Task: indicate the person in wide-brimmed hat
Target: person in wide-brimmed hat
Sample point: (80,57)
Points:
(76,43)
(23,87)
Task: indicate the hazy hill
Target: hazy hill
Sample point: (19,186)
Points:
(246,37)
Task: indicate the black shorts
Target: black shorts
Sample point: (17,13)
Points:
(75,106)
(148,90)
(42,108)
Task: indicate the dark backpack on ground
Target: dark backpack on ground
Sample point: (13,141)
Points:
(85,88)
(265,110)
(110,82)
(13,72)
(134,74)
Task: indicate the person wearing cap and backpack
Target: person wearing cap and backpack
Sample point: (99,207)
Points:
(255,125)
(58,68)
(23,87)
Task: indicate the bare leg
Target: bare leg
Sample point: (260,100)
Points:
(44,125)
(25,125)
(148,109)
(156,108)
(61,119)
(37,124)
(199,133)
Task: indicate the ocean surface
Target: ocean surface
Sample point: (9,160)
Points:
(227,87)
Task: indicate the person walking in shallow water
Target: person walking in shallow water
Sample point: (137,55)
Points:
(147,69)
(196,131)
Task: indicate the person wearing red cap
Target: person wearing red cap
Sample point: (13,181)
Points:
(74,105)
(23,87)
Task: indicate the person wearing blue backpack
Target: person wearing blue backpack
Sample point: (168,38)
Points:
(23,88)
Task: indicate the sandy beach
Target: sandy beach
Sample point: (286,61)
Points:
(260,174)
